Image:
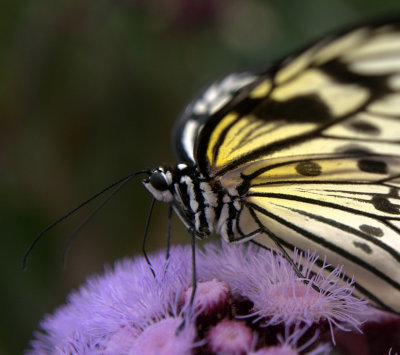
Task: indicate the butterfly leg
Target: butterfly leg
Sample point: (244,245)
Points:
(168,248)
(194,278)
(289,259)
(146,229)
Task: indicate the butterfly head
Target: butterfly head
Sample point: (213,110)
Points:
(191,196)
(160,183)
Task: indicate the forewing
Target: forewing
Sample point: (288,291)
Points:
(340,95)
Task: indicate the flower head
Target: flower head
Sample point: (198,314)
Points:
(277,293)
(120,304)
(248,301)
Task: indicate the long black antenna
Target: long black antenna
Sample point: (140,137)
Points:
(52,225)
(89,217)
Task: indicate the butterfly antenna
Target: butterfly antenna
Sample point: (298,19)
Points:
(146,229)
(52,225)
(122,183)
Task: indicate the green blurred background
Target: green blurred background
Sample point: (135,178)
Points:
(89,91)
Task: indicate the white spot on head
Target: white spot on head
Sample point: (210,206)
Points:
(164,195)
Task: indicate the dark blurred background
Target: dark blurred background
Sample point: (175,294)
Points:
(89,91)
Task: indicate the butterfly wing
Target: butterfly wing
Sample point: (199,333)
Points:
(312,147)
(187,128)
(326,203)
(331,98)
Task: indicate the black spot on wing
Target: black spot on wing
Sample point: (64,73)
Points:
(373,166)
(340,72)
(308,168)
(306,108)
(394,192)
(363,246)
(371,230)
(382,203)
(364,127)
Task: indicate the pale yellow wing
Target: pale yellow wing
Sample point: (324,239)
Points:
(340,95)
(328,204)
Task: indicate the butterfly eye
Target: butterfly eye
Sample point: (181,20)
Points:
(158,181)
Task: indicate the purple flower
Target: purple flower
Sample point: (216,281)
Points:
(289,343)
(282,297)
(248,301)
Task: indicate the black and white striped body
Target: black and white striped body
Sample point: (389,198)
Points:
(202,205)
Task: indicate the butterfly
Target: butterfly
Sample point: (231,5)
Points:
(305,154)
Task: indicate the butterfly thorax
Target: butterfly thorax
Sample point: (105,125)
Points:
(202,204)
